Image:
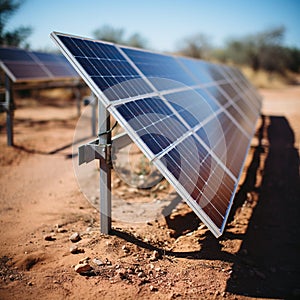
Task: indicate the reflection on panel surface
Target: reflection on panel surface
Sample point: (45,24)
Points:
(193,119)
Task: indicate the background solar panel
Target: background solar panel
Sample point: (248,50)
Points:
(194,120)
(23,65)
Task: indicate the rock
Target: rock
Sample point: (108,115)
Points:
(84,260)
(98,262)
(83,268)
(125,249)
(202,226)
(62,230)
(76,250)
(141,274)
(153,289)
(75,237)
(49,238)
(154,256)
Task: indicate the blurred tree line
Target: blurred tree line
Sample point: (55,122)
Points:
(261,51)
(18,36)
(117,35)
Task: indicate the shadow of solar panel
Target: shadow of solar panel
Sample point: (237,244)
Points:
(193,119)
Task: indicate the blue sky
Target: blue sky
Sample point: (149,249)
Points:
(162,22)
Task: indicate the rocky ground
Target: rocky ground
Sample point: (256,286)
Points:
(51,247)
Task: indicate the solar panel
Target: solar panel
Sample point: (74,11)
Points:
(193,119)
(23,65)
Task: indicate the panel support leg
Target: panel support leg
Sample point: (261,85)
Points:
(9,103)
(93,120)
(105,169)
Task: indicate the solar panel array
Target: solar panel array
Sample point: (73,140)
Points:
(193,119)
(23,65)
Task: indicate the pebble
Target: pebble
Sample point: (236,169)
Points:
(49,237)
(154,256)
(76,250)
(152,288)
(141,274)
(75,237)
(84,260)
(83,268)
(98,262)
(125,249)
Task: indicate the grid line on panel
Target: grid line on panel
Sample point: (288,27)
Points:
(206,189)
(184,122)
(39,63)
(107,68)
(24,65)
(182,113)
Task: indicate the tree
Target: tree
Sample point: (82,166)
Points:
(19,35)
(109,34)
(197,46)
(116,35)
(261,51)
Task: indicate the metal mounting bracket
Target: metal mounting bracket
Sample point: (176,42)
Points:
(94,150)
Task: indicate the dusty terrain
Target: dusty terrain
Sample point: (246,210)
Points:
(167,257)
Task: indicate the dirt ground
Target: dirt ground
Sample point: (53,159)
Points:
(167,257)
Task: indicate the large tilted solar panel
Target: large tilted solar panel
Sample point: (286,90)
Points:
(193,119)
(23,65)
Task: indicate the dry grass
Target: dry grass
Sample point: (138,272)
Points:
(263,79)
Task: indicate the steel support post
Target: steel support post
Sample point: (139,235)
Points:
(94,107)
(105,169)
(9,103)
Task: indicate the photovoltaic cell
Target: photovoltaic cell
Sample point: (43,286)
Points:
(107,68)
(23,65)
(193,119)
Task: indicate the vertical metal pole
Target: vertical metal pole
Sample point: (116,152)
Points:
(94,105)
(9,112)
(105,170)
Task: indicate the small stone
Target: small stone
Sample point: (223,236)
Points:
(83,268)
(62,230)
(30,283)
(49,238)
(153,289)
(75,237)
(125,249)
(76,250)
(98,262)
(202,226)
(84,260)
(154,256)
(141,274)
